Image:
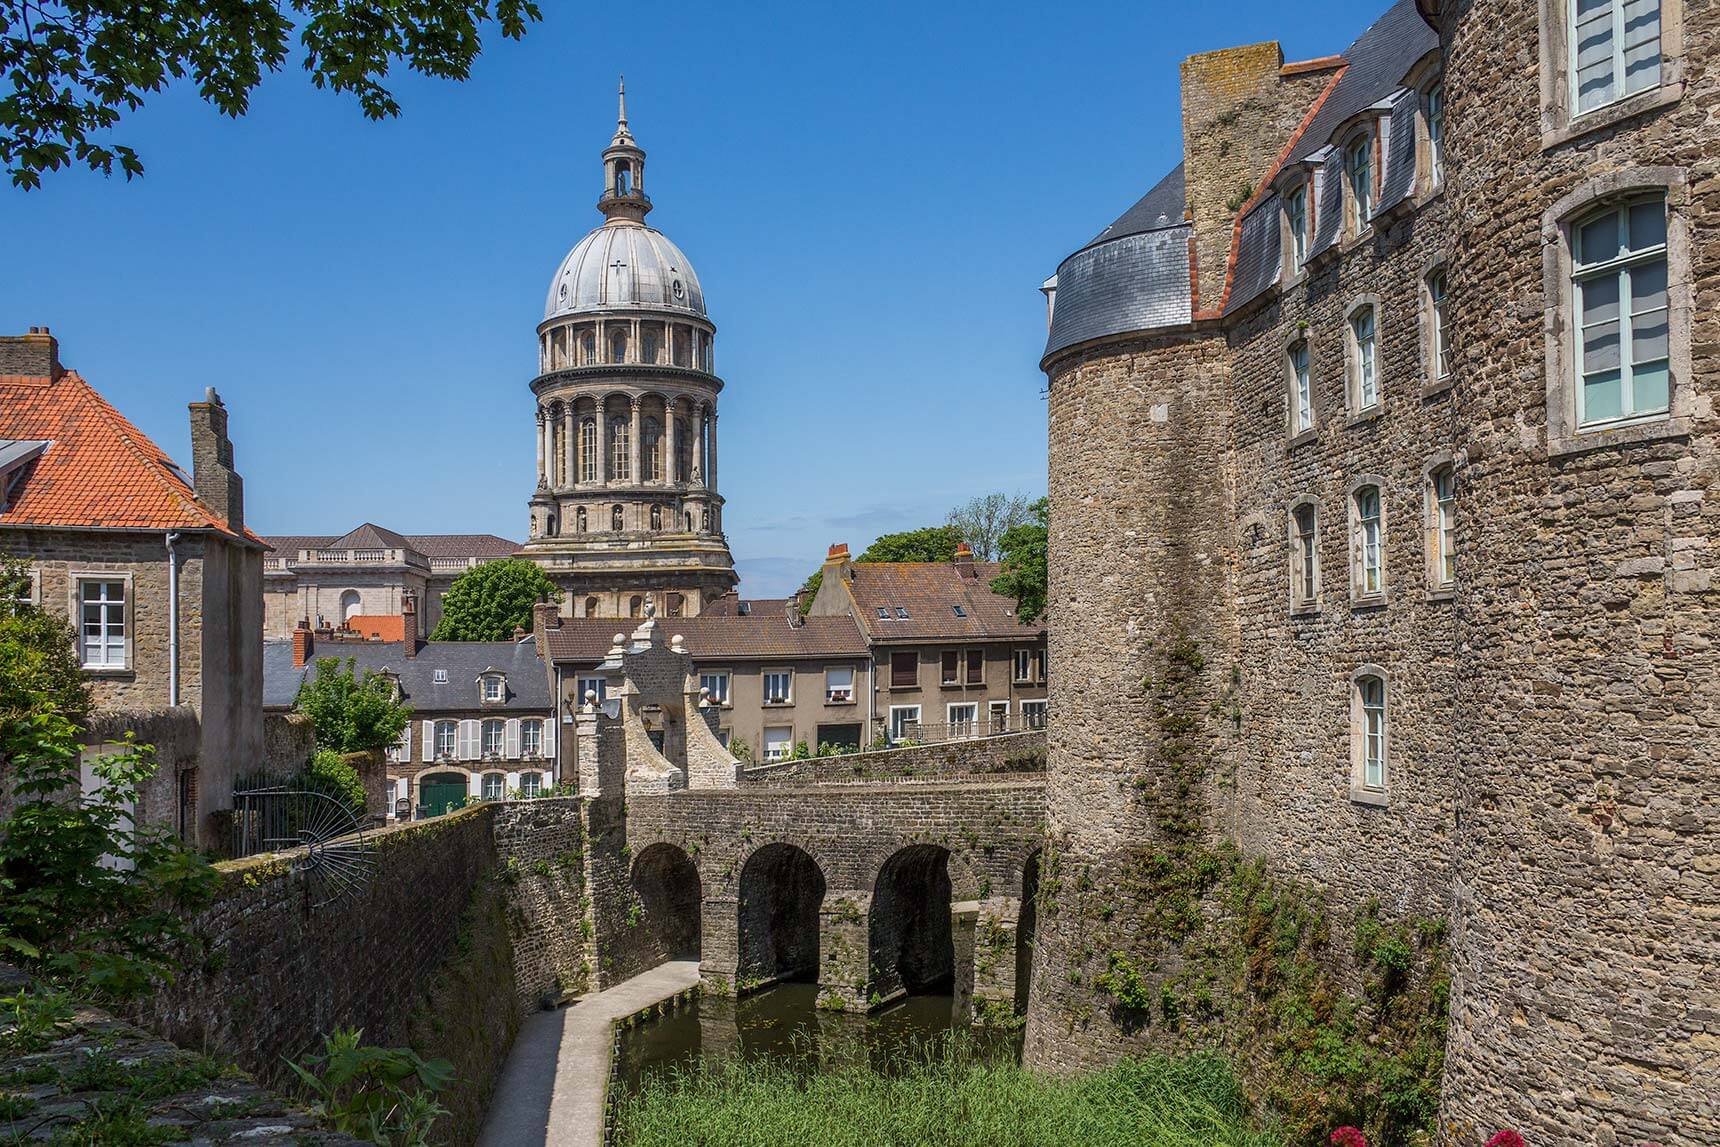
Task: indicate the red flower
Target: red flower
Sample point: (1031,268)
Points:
(1506,1138)
(1350,1137)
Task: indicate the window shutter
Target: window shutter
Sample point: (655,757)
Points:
(469,740)
(429,741)
(511,739)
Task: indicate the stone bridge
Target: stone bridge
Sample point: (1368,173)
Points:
(873,875)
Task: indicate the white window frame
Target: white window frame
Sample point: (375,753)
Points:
(997,717)
(32,595)
(496,749)
(1441,526)
(1367,541)
(719,694)
(126,625)
(968,725)
(493,786)
(492,688)
(1031,706)
(1435,286)
(1361,201)
(831,691)
(1370,735)
(1621,269)
(1433,121)
(899,717)
(1297,228)
(439,677)
(765,687)
(583,685)
(531,784)
(1023,666)
(529,728)
(1299,373)
(444,740)
(1363,357)
(1304,556)
(766,751)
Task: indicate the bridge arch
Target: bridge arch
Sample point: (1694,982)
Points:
(910,945)
(667,884)
(781,891)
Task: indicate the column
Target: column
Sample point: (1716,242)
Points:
(634,451)
(570,451)
(672,441)
(713,446)
(540,444)
(549,437)
(698,475)
(603,440)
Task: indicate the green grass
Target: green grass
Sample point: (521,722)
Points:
(950,1099)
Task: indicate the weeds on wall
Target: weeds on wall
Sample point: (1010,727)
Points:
(1328,1025)
(385,1095)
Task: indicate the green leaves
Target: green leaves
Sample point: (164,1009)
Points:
(1025,573)
(352,715)
(488,603)
(381,1094)
(70,69)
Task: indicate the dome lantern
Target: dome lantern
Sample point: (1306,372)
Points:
(624,199)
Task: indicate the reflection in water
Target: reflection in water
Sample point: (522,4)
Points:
(782,1024)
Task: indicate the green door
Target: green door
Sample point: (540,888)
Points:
(438,791)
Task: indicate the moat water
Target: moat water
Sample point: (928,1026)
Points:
(782,1024)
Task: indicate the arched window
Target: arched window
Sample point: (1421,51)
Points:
(648,346)
(349,605)
(1442,527)
(635,606)
(618,345)
(588,347)
(1363,362)
(683,355)
(676,604)
(1301,387)
(689,517)
(651,449)
(591,607)
(550,524)
(1359,174)
(656,517)
(1304,556)
(579,519)
(705,521)
(1370,744)
(615,519)
(623,178)
(588,450)
(620,447)
(1367,525)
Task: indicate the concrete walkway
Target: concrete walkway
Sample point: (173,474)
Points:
(551,1090)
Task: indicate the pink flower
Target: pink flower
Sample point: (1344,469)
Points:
(1506,1138)
(1350,1137)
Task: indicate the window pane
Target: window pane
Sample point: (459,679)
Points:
(1603,396)
(1641,44)
(1598,239)
(1594,57)
(1648,225)
(1648,340)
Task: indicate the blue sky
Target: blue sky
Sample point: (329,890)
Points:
(871,195)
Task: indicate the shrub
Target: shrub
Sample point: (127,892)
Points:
(329,774)
(382,1094)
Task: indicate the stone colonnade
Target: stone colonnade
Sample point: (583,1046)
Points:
(586,441)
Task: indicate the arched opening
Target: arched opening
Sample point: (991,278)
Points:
(618,346)
(579,519)
(912,949)
(780,894)
(591,607)
(615,519)
(349,606)
(656,517)
(623,179)
(636,606)
(667,884)
(1026,932)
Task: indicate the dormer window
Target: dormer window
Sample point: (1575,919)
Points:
(1359,175)
(1296,223)
(493,687)
(439,677)
(1434,109)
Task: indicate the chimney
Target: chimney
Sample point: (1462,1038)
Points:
(217,486)
(519,633)
(301,645)
(546,615)
(838,560)
(32,355)
(963,560)
(1236,117)
(409,624)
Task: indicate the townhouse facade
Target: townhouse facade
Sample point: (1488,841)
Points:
(154,568)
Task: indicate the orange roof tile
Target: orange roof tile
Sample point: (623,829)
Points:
(99,470)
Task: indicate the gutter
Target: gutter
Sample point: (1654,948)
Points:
(172,619)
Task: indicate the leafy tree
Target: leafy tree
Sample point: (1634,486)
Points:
(75,67)
(66,911)
(488,603)
(983,521)
(39,667)
(352,714)
(328,773)
(1023,576)
(930,544)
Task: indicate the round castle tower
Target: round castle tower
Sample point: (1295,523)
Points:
(626,510)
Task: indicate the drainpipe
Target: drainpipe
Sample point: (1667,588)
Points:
(556,703)
(172,620)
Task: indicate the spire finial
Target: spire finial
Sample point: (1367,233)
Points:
(621,95)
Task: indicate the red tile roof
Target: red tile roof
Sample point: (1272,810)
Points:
(755,637)
(99,470)
(930,593)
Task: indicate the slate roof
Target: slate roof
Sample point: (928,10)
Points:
(465,661)
(930,592)
(754,637)
(463,545)
(1373,68)
(98,470)
(370,536)
(733,605)
(1161,207)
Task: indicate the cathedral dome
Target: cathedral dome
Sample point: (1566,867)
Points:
(623,266)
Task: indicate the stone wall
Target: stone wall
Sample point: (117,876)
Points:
(543,842)
(289,739)
(1006,753)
